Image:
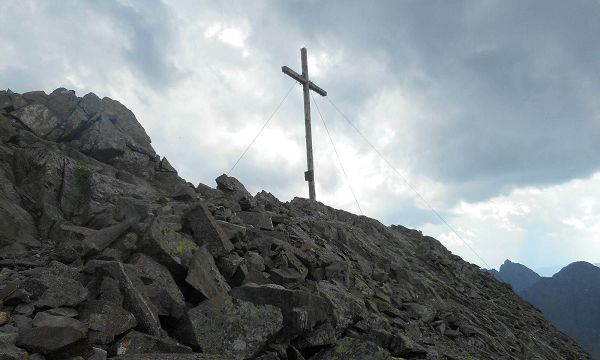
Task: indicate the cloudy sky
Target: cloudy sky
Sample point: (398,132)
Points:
(490,109)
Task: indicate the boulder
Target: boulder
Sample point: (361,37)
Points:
(44,319)
(302,310)
(134,299)
(48,339)
(162,356)
(159,286)
(231,327)
(231,185)
(170,248)
(11,352)
(41,120)
(207,231)
(16,225)
(107,320)
(259,220)
(55,291)
(354,349)
(205,277)
(135,342)
(101,239)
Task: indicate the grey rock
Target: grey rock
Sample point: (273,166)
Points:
(170,248)
(16,225)
(231,185)
(135,300)
(159,286)
(354,349)
(47,339)
(257,219)
(99,240)
(301,310)
(233,328)
(139,343)
(55,291)
(11,352)
(207,231)
(109,319)
(286,276)
(41,120)
(204,275)
(68,312)
(254,261)
(161,356)
(43,319)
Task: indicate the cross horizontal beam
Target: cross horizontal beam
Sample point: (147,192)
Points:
(299,78)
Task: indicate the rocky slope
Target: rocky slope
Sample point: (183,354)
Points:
(519,276)
(105,251)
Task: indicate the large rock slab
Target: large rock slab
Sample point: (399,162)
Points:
(134,299)
(354,349)
(207,231)
(234,328)
(302,310)
(170,248)
(47,339)
(135,342)
(259,220)
(44,319)
(162,356)
(16,225)
(55,291)
(159,285)
(107,320)
(41,120)
(205,277)
(99,240)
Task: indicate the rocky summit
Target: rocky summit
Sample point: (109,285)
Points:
(107,253)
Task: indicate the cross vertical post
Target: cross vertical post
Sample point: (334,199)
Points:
(307,85)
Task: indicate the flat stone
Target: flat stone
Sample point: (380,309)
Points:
(233,328)
(134,299)
(55,291)
(257,219)
(101,239)
(11,352)
(286,276)
(205,277)
(301,310)
(47,339)
(353,349)
(157,356)
(159,286)
(44,319)
(207,231)
(109,319)
(170,248)
(135,342)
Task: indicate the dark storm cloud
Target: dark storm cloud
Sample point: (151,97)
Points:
(151,34)
(89,38)
(519,80)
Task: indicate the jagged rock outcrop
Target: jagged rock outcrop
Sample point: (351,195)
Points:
(107,252)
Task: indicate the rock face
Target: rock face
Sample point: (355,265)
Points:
(106,251)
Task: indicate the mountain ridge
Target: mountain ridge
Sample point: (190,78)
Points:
(107,252)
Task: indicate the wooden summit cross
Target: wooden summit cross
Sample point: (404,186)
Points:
(307,85)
